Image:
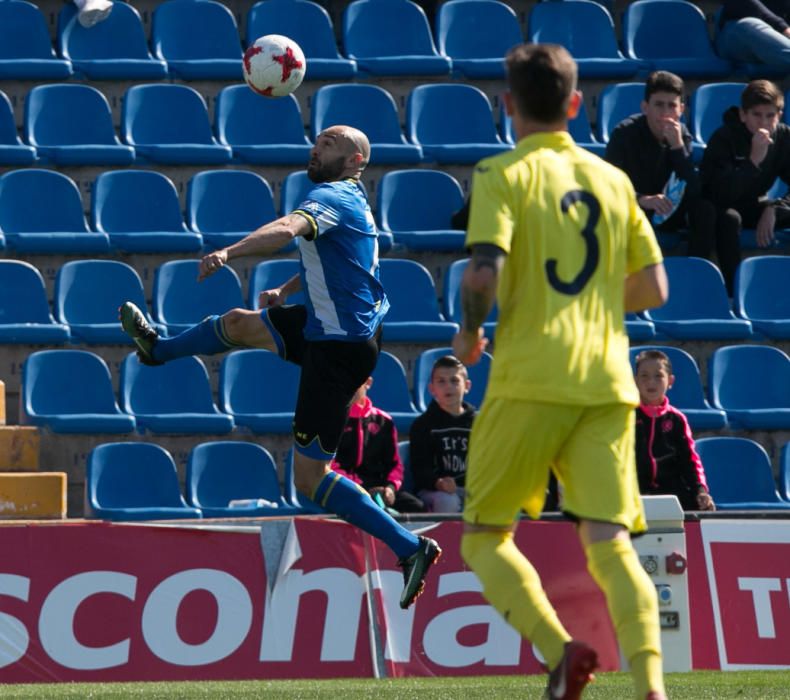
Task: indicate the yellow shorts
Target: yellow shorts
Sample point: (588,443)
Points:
(514,444)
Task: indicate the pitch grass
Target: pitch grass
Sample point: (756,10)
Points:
(699,685)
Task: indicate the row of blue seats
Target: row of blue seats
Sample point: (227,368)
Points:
(194,39)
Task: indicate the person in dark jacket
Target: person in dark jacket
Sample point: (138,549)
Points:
(755,31)
(666,459)
(439,438)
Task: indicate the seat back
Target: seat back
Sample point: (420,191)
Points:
(478,375)
(687,390)
(709,103)
(164,114)
(698,291)
(22,193)
(784,472)
(294,190)
(221,201)
(23,296)
(307,23)
(647,24)
(374,28)
(451,297)
(270,274)
(615,103)
(119,35)
(390,390)
(410,290)
(584,28)
(257,381)
(418,200)
(8,134)
(761,287)
(23,31)
(184,30)
(369,108)
(476,29)
(749,376)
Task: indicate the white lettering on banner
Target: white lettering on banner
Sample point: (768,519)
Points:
(399,623)
(234,617)
(14,638)
(56,621)
(344,590)
(761,598)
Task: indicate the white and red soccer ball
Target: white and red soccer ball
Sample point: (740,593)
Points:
(274,65)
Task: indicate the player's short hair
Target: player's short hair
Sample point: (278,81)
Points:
(449,362)
(541,78)
(761,92)
(663,81)
(662,357)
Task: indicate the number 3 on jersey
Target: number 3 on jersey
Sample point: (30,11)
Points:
(592,255)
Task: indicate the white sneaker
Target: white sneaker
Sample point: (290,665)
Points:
(94,11)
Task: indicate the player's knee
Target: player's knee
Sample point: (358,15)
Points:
(236,324)
(473,544)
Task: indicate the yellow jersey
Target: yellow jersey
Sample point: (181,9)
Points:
(573,231)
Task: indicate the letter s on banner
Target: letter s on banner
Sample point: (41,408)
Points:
(14,638)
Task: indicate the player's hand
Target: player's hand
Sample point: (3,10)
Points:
(468,346)
(446,483)
(765,227)
(761,140)
(672,132)
(658,203)
(269,298)
(387,494)
(704,501)
(212,262)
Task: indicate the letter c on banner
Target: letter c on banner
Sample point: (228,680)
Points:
(14,638)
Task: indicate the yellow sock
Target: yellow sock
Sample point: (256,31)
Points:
(512,586)
(631,597)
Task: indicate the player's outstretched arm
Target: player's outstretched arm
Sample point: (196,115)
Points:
(646,288)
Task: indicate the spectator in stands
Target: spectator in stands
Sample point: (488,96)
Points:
(754,31)
(367,454)
(666,459)
(439,438)
(90,12)
(743,158)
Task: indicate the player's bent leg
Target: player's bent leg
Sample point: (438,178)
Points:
(245,328)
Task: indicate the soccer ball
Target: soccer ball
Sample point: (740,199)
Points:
(274,65)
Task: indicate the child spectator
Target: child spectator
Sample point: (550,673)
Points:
(439,438)
(368,454)
(666,460)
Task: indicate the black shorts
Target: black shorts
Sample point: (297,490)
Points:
(332,371)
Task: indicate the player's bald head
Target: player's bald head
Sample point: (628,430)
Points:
(352,141)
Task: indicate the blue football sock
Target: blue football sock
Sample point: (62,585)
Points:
(206,338)
(342,496)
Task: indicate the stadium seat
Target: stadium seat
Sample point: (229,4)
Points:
(269,132)
(88,294)
(133,481)
(639,328)
(114,49)
(579,128)
(708,103)
(752,384)
(414,315)
(686,393)
(784,472)
(475,35)
(24,310)
(199,40)
(172,398)
(25,47)
(416,207)
(404,450)
(739,474)
(451,299)
(58,227)
(586,29)
(310,26)
(269,274)
(478,375)
(761,294)
(224,471)
(259,390)
(12,150)
(294,189)
(698,307)
(452,122)
(71,124)
(180,301)
(648,23)
(390,392)
(370,109)
(616,102)
(140,212)
(169,124)
(391,37)
(70,391)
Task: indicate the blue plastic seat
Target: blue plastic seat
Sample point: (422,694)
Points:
(88,294)
(140,211)
(12,150)
(169,124)
(172,398)
(70,391)
(41,212)
(416,207)
(451,298)
(224,471)
(752,384)
(259,130)
(452,122)
(739,474)
(114,49)
(133,481)
(294,189)
(180,301)
(708,104)
(616,102)
(638,328)
(71,124)
(686,393)
(390,392)
(478,375)
(391,37)
(414,315)
(404,451)
(648,23)
(761,294)
(310,26)
(370,109)
(24,309)
(586,29)
(270,274)
(259,390)
(784,472)
(579,128)
(476,35)
(25,47)
(698,307)
(199,40)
